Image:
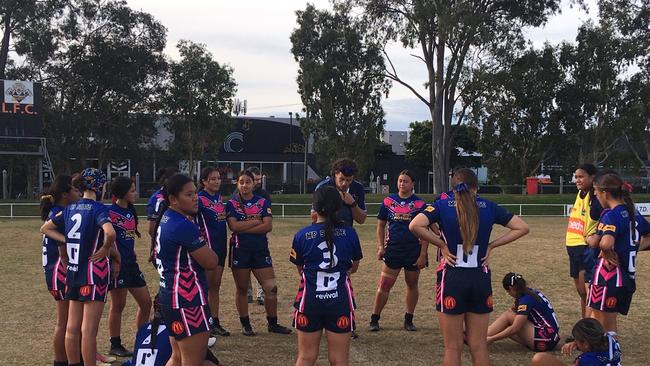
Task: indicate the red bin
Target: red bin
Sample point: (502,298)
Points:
(532,185)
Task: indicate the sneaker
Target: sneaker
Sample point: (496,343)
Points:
(103,358)
(212,341)
(218,330)
(247,330)
(354,334)
(277,328)
(374,326)
(410,327)
(120,351)
(249,295)
(100,363)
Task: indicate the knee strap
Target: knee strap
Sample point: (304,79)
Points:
(386,283)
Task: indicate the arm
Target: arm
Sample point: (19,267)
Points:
(514,328)
(381,238)
(266,226)
(49,229)
(424,255)
(419,226)
(607,248)
(109,239)
(593,240)
(358,214)
(354,268)
(151,228)
(115,256)
(518,228)
(644,244)
(240,226)
(206,257)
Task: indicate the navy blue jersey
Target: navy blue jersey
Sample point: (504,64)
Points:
(146,354)
(182,279)
(51,246)
(83,222)
(399,212)
(212,219)
(539,312)
(125,226)
(325,280)
(443,212)
(256,208)
(611,357)
(153,205)
(356,191)
(616,222)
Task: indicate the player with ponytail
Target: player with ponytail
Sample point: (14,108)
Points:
(618,234)
(325,254)
(464,290)
(531,321)
(54,200)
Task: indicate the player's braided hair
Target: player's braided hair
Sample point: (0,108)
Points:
(465,184)
(591,331)
(327,201)
(611,182)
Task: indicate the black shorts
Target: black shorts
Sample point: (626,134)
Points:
(334,321)
(576,259)
(222,253)
(55,280)
(463,290)
(397,259)
(186,322)
(545,339)
(610,299)
(129,278)
(251,258)
(87,293)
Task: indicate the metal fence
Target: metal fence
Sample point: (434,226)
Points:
(31,209)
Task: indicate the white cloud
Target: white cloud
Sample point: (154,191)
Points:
(252,36)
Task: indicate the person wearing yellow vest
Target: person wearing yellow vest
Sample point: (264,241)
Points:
(583,218)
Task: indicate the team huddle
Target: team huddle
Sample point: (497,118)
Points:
(88,253)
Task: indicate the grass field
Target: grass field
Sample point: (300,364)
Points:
(540,257)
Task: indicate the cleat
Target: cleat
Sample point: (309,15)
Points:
(374,326)
(247,331)
(277,328)
(218,330)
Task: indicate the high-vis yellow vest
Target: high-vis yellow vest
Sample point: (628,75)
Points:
(580,222)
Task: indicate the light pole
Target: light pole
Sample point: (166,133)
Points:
(290,152)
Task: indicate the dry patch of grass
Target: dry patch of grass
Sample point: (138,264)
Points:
(29,311)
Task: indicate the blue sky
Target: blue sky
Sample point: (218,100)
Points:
(252,36)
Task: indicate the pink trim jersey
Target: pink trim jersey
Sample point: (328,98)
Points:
(182,279)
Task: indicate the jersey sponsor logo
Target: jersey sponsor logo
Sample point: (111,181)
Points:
(302,320)
(610,302)
(489,302)
(84,290)
(177,327)
(429,209)
(449,302)
(522,308)
(576,225)
(603,227)
(343,322)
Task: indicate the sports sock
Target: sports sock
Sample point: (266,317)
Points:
(273,320)
(375,318)
(408,318)
(245,321)
(116,341)
(60,363)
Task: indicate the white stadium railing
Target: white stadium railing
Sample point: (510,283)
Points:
(13,210)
